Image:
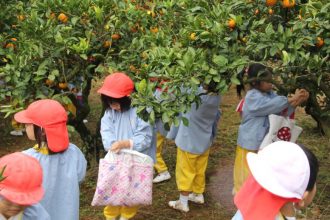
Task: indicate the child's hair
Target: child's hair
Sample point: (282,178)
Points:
(41,138)
(256,73)
(124,102)
(313,165)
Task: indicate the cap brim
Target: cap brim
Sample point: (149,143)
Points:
(21,117)
(57,137)
(110,94)
(23,198)
(263,175)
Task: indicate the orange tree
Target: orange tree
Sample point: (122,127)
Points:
(54,48)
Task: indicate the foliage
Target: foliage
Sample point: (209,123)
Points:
(55,48)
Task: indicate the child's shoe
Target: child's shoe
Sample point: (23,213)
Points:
(16,133)
(196,198)
(178,206)
(162,177)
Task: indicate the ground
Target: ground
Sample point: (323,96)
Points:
(218,196)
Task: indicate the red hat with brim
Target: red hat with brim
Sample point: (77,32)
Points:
(52,117)
(117,85)
(22,183)
(256,203)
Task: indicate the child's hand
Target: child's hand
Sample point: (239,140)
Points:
(118,145)
(300,96)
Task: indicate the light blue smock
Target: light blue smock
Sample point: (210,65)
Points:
(198,136)
(35,212)
(256,109)
(116,126)
(62,173)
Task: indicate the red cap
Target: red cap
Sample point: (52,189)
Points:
(256,203)
(23,179)
(117,85)
(52,117)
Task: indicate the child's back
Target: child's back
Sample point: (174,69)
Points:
(62,174)
(64,165)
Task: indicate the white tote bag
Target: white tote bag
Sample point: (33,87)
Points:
(281,129)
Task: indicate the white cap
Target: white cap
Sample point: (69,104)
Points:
(281,168)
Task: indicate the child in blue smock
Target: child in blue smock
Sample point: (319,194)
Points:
(121,128)
(260,101)
(193,146)
(21,188)
(63,164)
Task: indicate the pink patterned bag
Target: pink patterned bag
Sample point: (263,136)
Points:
(124,179)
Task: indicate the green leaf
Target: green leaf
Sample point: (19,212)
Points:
(286,58)
(220,60)
(234,80)
(185,121)
(165,117)
(195,80)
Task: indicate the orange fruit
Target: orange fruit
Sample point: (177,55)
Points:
(63,18)
(115,36)
(320,42)
(106,44)
(256,12)
(13,39)
(10,45)
(271,2)
(231,23)
(63,85)
(154,30)
(192,36)
(270,11)
(132,68)
(52,15)
(288,3)
(21,17)
(49,82)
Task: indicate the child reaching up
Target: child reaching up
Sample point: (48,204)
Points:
(260,101)
(283,178)
(63,164)
(121,128)
(21,188)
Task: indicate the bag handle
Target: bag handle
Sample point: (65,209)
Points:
(136,153)
(111,156)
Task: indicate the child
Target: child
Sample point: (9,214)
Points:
(283,177)
(161,132)
(193,142)
(21,189)
(63,163)
(121,128)
(259,103)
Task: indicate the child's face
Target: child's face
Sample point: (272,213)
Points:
(30,131)
(265,86)
(307,198)
(9,209)
(115,106)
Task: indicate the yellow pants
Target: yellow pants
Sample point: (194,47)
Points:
(160,164)
(190,171)
(241,168)
(16,126)
(114,211)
